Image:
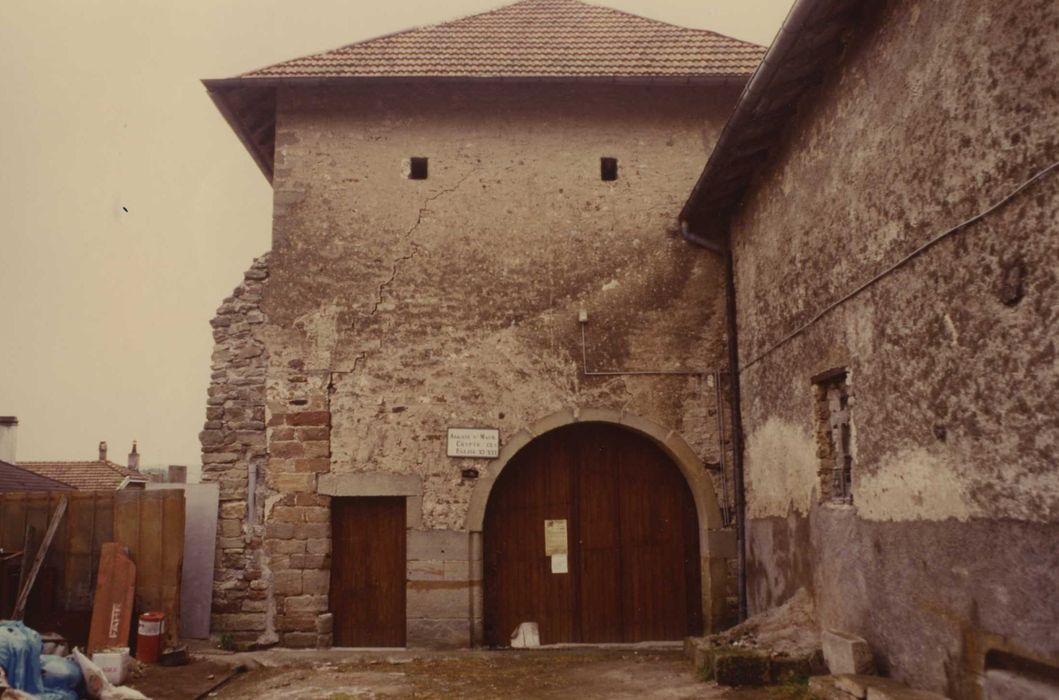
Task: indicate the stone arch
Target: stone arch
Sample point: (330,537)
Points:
(715,545)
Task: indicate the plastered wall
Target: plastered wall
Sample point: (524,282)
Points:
(936,111)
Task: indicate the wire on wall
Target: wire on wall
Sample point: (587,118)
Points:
(897,265)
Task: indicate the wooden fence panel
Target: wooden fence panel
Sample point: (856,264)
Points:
(38,513)
(149,523)
(12,521)
(172,560)
(148,553)
(78,541)
(127,511)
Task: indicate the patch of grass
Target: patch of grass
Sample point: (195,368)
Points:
(796,688)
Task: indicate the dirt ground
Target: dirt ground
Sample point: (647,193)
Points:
(584,674)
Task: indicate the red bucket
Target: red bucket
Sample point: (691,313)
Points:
(149,637)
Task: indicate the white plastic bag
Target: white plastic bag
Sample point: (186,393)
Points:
(526,636)
(99,688)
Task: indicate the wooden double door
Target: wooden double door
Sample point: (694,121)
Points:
(632,561)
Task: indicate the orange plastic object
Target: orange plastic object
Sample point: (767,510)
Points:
(149,637)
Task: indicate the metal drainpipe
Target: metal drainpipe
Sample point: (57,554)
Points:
(733,398)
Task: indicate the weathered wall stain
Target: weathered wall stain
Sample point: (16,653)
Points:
(781,469)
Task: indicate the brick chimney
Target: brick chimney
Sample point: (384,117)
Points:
(178,474)
(103,451)
(8,436)
(134,458)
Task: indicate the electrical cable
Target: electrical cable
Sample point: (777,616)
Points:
(897,265)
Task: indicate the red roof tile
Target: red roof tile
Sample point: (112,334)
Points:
(535,39)
(85,476)
(15,478)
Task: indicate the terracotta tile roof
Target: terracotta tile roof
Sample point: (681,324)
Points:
(85,476)
(535,38)
(15,478)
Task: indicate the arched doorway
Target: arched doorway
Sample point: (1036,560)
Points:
(632,567)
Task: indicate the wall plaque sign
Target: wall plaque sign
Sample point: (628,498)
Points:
(474,442)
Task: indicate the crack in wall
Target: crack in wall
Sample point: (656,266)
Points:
(395,266)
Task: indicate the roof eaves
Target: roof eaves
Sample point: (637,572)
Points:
(220,89)
(218,92)
(706,214)
(127,481)
(220,84)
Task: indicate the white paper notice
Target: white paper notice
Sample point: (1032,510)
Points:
(560,564)
(554,537)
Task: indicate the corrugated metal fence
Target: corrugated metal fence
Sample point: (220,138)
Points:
(149,523)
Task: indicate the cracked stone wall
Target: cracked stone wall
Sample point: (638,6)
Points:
(233,447)
(397,308)
(454,300)
(936,111)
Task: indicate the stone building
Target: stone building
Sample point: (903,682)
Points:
(888,192)
(472,382)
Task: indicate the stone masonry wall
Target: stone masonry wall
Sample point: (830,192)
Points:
(947,551)
(233,445)
(454,300)
(397,308)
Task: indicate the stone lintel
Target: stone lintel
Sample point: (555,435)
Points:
(370,484)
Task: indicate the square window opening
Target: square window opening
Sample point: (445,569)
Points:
(832,400)
(417,168)
(608,169)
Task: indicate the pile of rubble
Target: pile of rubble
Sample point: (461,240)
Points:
(784,645)
(776,646)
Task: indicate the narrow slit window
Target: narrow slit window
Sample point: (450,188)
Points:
(608,169)
(417,168)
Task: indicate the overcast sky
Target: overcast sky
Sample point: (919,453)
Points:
(129,210)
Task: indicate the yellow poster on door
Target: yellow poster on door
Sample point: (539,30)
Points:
(555,537)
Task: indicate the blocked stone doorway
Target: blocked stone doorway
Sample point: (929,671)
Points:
(368,561)
(591,531)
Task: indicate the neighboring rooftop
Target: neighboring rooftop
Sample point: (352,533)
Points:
(15,478)
(98,475)
(531,40)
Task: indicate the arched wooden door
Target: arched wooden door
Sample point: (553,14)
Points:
(632,563)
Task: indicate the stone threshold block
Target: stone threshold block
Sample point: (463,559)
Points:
(846,653)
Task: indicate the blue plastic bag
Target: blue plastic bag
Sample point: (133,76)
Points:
(20,658)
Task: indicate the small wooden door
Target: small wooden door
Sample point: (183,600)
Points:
(368,571)
(633,557)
